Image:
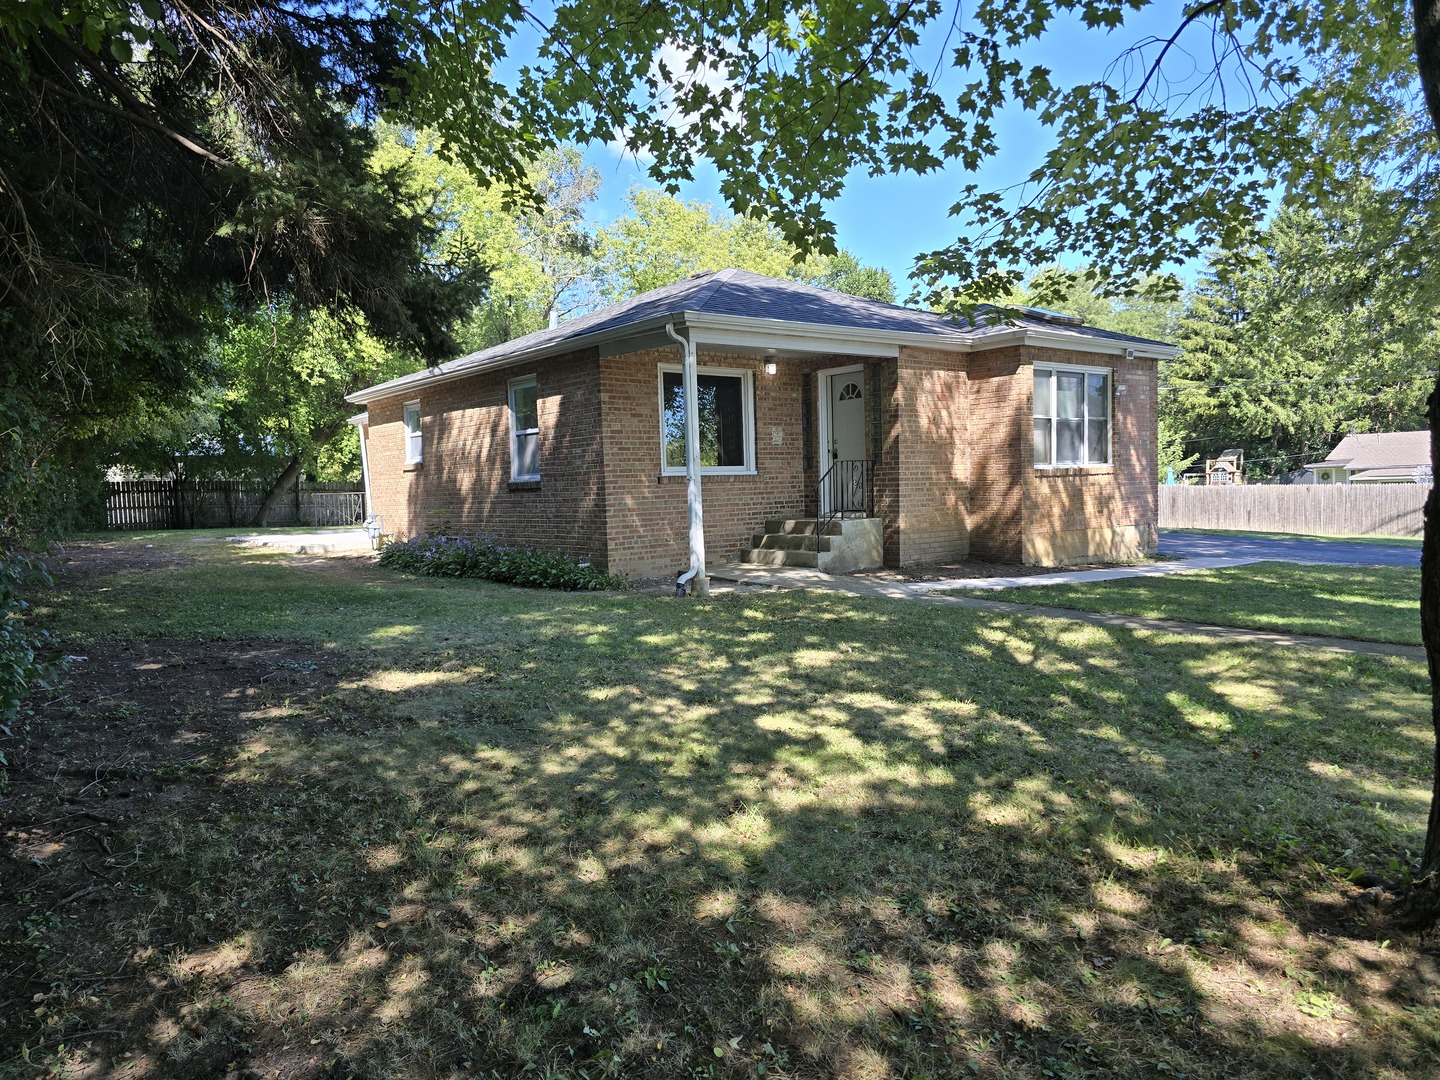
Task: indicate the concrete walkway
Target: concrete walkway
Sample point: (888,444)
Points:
(731,577)
(308,543)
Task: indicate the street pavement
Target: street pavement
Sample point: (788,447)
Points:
(1182,545)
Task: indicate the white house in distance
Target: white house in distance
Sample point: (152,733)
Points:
(1393,457)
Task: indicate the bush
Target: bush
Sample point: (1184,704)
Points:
(449,556)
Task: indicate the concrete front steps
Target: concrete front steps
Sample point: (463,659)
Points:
(847,544)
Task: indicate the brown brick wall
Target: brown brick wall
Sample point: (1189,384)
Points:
(1121,495)
(1001,451)
(648,519)
(463,484)
(929,412)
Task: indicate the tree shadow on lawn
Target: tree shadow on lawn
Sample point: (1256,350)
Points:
(818,836)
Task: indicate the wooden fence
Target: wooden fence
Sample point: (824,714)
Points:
(1320,509)
(185,504)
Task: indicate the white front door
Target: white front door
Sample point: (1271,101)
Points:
(843,440)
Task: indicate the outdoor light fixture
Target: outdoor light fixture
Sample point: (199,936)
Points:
(770,362)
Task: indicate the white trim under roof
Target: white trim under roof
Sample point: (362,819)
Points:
(742,331)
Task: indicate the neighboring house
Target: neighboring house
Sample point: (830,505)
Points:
(1393,457)
(1030,438)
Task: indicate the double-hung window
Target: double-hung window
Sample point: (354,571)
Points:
(723,400)
(413,447)
(524,429)
(1072,416)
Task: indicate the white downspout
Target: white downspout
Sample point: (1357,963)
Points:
(689,380)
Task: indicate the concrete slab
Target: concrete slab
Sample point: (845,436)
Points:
(308,543)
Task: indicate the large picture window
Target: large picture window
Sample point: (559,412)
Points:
(524,429)
(723,401)
(413,447)
(1072,416)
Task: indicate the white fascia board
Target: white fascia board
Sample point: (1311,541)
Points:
(790,343)
(359,419)
(711,329)
(1055,339)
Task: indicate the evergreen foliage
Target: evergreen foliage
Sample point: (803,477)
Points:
(1299,340)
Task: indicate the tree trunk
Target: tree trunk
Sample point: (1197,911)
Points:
(291,475)
(277,491)
(1421,906)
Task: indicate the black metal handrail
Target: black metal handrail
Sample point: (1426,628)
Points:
(850,486)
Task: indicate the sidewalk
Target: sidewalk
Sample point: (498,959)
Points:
(730,577)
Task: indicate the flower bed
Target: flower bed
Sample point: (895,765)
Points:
(450,556)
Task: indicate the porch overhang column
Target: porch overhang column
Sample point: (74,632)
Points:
(362,428)
(689,381)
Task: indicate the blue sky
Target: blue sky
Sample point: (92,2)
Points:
(887,220)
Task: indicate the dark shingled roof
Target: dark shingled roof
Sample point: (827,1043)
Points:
(742,294)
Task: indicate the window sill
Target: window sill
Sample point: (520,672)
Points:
(1074,470)
(524,485)
(414,466)
(706,474)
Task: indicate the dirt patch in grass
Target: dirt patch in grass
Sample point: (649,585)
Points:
(78,562)
(134,740)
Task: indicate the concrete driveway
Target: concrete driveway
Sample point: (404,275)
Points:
(1180,545)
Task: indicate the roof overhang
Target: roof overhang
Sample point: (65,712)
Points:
(1059,339)
(780,335)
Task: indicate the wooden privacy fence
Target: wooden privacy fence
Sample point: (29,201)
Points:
(189,504)
(1322,509)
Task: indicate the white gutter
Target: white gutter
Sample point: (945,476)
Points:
(1058,339)
(362,422)
(689,381)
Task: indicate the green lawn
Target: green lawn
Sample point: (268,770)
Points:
(1367,603)
(298,817)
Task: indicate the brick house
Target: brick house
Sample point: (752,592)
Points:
(1026,439)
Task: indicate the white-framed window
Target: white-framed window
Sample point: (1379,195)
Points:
(724,401)
(413,447)
(524,429)
(1072,416)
